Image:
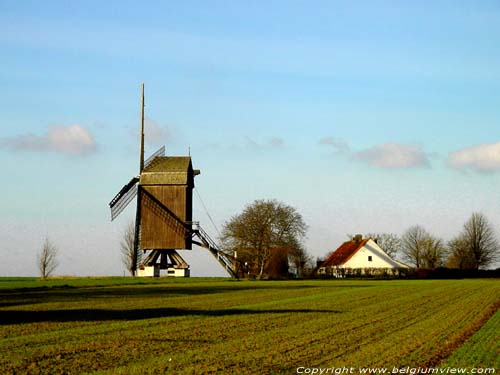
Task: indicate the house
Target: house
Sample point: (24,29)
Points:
(360,257)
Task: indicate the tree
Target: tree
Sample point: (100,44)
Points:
(412,243)
(434,252)
(422,249)
(459,257)
(476,246)
(302,261)
(47,259)
(127,249)
(264,229)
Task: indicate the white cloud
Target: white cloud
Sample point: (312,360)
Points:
(277,142)
(73,140)
(25,142)
(482,158)
(272,143)
(393,156)
(338,145)
(70,140)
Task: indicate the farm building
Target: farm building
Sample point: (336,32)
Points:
(360,257)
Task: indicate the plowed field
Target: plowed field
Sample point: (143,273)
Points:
(219,326)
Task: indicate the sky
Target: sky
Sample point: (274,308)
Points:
(366,116)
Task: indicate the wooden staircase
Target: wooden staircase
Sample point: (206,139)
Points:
(225,260)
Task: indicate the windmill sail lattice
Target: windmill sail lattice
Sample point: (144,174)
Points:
(160,152)
(129,191)
(123,198)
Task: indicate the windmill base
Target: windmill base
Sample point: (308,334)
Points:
(164,259)
(152,271)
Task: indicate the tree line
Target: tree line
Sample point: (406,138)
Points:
(267,240)
(475,247)
(267,237)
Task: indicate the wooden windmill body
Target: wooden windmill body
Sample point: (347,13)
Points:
(164,216)
(169,182)
(165,211)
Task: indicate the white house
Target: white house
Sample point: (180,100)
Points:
(360,257)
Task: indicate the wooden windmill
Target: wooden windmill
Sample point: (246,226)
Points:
(163,224)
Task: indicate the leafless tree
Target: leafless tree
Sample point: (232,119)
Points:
(264,227)
(458,256)
(422,249)
(47,259)
(413,245)
(434,252)
(302,261)
(127,249)
(476,246)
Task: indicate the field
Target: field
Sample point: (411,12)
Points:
(221,326)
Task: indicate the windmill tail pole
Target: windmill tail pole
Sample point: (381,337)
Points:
(138,211)
(141,165)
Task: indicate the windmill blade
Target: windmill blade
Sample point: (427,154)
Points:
(123,198)
(160,152)
(122,203)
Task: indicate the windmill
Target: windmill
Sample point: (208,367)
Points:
(163,223)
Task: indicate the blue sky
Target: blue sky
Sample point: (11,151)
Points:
(367,116)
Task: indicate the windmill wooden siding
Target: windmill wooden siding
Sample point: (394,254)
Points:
(167,182)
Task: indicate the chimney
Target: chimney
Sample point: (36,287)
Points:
(358,238)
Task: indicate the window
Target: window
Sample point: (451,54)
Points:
(369,258)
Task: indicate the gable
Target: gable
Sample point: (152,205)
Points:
(372,256)
(343,253)
(361,254)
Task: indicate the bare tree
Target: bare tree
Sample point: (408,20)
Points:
(47,259)
(412,243)
(263,228)
(434,252)
(127,249)
(298,256)
(458,256)
(422,249)
(476,246)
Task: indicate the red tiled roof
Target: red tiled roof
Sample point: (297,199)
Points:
(344,253)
